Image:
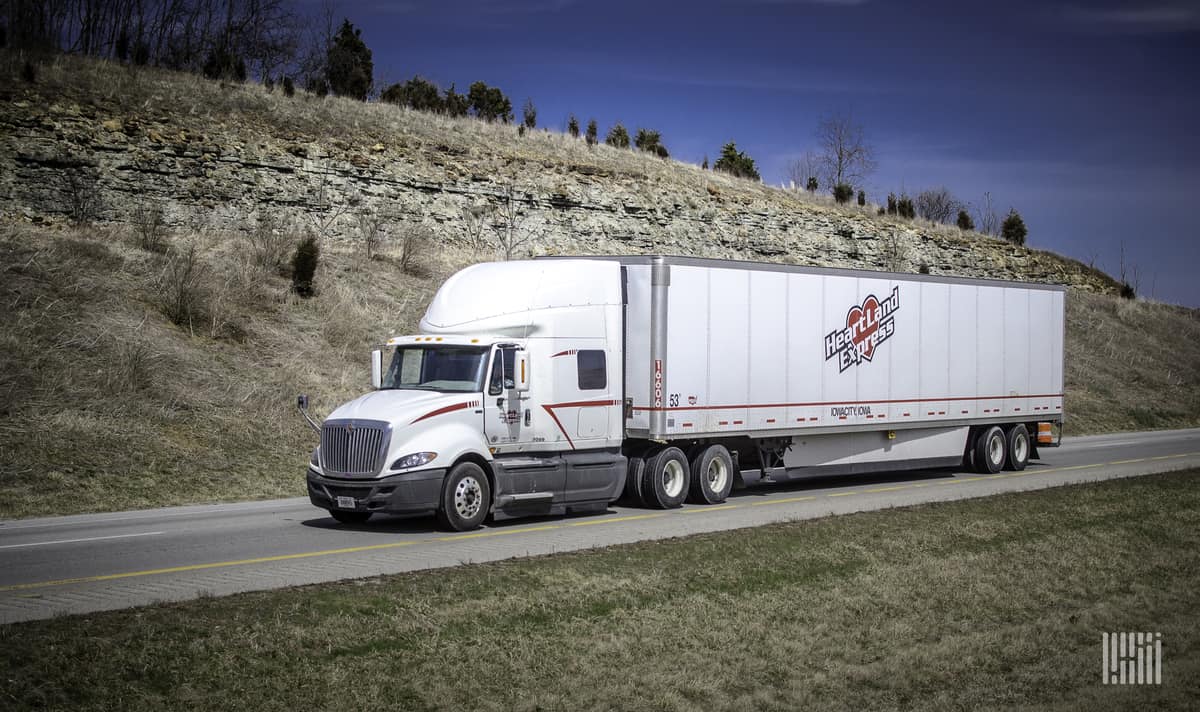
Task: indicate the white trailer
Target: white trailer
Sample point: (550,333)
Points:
(559,384)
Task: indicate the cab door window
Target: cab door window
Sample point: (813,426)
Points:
(501,378)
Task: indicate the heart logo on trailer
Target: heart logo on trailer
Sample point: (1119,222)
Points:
(867,325)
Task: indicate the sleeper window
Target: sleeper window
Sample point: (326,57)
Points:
(592,376)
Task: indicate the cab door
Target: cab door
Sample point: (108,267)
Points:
(525,478)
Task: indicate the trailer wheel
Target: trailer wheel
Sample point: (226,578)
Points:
(665,479)
(466,498)
(990,451)
(712,475)
(347,517)
(1018,448)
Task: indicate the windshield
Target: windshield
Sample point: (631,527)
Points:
(455,369)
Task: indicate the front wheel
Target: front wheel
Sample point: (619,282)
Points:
(466,498)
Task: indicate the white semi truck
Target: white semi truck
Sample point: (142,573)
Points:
(557,385)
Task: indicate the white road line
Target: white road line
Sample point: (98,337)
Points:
(134,516)
(76,541)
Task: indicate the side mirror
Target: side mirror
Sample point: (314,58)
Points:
(521,372)
(376,369)
(302,406)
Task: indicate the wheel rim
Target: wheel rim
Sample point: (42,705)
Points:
(718,474)
(1020,448)
(468,497)
(673,478)
(996,449)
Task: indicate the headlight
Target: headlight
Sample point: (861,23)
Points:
(414,460)
(313,459)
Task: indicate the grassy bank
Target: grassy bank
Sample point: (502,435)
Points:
(982,603)
(105,404)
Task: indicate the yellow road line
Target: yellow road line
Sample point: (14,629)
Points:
(702,510)
(888,489)
(201,567)
(841,494)
(782,501)
(481,535)
(615,519)
(1126,462)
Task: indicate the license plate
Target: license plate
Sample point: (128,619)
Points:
(345,502)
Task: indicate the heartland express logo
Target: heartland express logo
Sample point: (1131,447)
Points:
(867,326)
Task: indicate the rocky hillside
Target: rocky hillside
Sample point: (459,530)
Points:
(108,403)
(101,142)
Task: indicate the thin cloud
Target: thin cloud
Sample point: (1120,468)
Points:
(1164,18)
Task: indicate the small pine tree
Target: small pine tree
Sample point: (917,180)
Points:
(141,54)
(842,192)
(417,93)
(349,69)
(29,72)
(964,221)
(704,165)
(455,104)
(811,185)
(736,163)
(304,266)
(617,137)
(1013,229)
(862,197)
(489,103)
(121,49)
(592,133)
(573,126)
(289,87)
(649,141)
(529,114)
(891,204)
(1127,291)
(905,207)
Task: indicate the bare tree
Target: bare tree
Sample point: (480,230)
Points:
(989,220)
(846,157)
(937,204)
(800,170)
(474,221)
(511,230)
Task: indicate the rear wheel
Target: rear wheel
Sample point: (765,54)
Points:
(712,475)
(348,517)
(466,498)
(990,451)
(1019,448)
(665,479)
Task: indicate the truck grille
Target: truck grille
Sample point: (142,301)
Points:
(354,447)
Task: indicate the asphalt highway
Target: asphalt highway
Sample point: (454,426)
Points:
(87,563)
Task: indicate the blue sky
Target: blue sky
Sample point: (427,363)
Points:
(1082,115)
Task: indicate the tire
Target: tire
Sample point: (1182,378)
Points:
(347,517)
(990,451)
(1019,448)
(633,479)
(665,479)
(466,498)
(712,475)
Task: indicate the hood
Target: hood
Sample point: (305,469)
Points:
(400,407)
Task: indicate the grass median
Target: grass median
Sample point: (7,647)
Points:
(996,602)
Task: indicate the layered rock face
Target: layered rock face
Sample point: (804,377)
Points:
(106,156)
